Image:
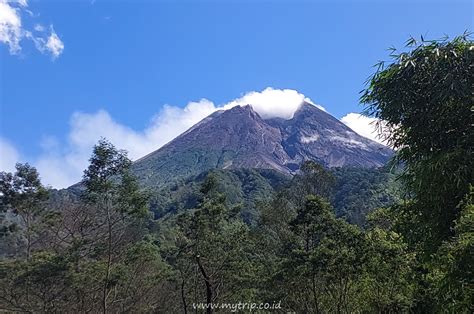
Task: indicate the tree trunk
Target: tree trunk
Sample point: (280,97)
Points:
(207,281)
(315,296)
(28,251)
(183,297)
(109,261)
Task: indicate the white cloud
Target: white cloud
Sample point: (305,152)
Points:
(51,44)
(10,26)
(64,167)
(22,3)
(9,156)
(54,45)
(62,162)
(271,103)
(39,28)
(363,125)
(12,31)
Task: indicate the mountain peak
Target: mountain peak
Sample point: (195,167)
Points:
(307,108)
(240,138)
(239,110)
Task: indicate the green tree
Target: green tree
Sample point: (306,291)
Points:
(452,273)
(24,195)
(424,98)
(212,251)
(121,207)
(36,285)
(324,260)
(96,256)
(313,179)
(388,283)
(424,102)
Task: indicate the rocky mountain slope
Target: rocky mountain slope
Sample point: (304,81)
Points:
(240,138)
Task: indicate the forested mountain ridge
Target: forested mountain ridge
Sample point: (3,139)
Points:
(356,192)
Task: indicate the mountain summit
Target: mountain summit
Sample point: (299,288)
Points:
(240,138)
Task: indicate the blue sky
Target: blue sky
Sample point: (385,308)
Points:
(123,61)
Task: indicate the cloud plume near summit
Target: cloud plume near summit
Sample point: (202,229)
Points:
(62,161)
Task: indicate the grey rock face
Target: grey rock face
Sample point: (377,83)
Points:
(316,135)
(240,138)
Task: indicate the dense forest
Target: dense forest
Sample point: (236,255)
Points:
(325,241)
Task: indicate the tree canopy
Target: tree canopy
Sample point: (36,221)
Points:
(423,99)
